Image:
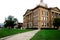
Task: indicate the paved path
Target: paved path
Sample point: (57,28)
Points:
(23,36)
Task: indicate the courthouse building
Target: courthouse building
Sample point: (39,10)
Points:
(41,16)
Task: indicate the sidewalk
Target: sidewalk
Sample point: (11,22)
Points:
(22,36)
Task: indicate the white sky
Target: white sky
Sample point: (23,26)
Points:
(17,8)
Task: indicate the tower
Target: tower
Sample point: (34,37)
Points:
(42,3)
(41,0)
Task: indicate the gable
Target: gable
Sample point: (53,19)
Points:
(55,8)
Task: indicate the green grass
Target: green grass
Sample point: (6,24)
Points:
(47,35)
(6,32)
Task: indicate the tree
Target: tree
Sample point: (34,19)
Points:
(10,22)
(56,22)
(19,25)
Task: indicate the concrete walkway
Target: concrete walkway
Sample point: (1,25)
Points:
(22,36)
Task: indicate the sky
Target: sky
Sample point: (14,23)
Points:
(17,8)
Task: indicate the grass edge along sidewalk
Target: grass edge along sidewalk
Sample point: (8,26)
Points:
(7,32)
(47,35)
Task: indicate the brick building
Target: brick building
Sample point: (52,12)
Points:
(41,16)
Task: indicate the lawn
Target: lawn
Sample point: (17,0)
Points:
(47,35)
(6,32)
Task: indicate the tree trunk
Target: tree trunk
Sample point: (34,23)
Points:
(54,26)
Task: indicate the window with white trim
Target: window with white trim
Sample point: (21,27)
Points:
(44,13)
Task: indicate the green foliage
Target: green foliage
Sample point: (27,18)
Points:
(56,22)
(47,35)
(10,21)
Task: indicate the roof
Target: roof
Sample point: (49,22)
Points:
(55,8)
(42,7)
(34,9)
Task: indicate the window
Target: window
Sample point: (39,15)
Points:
(36,18)
(35,13)
(29,17)
(35,22)
(43,24)
(44,18)
(45,13)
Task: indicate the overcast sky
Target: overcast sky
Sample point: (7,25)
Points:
(17,8)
